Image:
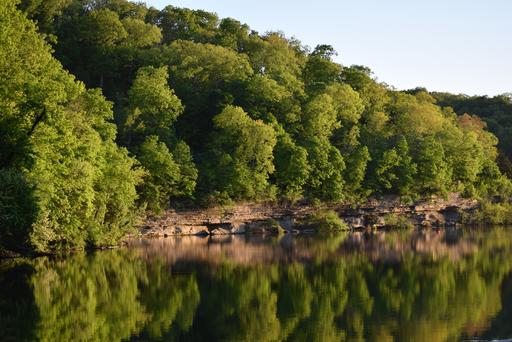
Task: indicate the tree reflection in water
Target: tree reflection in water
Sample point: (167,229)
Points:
(404,286)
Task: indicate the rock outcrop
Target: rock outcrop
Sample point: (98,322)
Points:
(275,218)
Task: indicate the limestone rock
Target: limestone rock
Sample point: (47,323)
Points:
(191,230)
(237,228)
(354,221)
(220,231)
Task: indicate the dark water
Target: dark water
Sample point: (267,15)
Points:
(405,286)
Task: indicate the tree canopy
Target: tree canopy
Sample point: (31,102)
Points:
(201,109)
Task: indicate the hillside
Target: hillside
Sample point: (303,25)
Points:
(206,112)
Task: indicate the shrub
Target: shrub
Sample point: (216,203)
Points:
(326,221)
(490,213)
(274,227)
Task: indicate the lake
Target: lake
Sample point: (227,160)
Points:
(418,285)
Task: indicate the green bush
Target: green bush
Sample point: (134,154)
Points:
(326,221)
(490,213)
(274,227)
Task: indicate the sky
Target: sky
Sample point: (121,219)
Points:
(459,46)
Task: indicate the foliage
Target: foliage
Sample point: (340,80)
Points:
(163,173)
(326,221)
(496,113)
(17,209)
(274,227)
(340,133)
(153,107)
(80,186)
(214,112)
(240,159)
(292,167)
(490,213)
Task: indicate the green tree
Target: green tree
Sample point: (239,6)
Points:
(279,58)
(188,170)
(406,169)
(185,24)
(44,12)
(140,34)
(232,34)
(240,156)
(63,147)
(292,167)
(153,108)
(163,174)
(355,172)
(434,174)
(320,71)
(319,120)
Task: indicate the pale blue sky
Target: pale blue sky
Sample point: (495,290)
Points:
(461,46)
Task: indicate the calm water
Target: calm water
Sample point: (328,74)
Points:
(407,286)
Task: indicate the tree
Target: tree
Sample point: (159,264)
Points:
(140,34)
(103,28)
(188,170)
(185,24)
(204,77)
(232,34)
(347,103)
(319,120)
(64,149)
(406,169)
(44,12)
(279,58)
(240,155)
(163,174)
(292,167)
(265,99)
(153,108)
(434,174)
(320,71)
(355,172)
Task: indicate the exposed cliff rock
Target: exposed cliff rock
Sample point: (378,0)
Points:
(272,219)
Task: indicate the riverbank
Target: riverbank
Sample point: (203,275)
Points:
(273,218)
(258,218)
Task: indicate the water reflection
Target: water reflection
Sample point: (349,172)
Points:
(405,286)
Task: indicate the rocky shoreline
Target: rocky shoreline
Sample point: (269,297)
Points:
(273,218)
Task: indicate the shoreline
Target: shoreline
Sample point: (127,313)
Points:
(261,218)
(275,219)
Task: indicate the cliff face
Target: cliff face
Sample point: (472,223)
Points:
(255,218)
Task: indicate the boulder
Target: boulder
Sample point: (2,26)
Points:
(220,231)
(287,222)
(166,231)
(191,230)
(435,218)
(200,230)
(354,221)
(237,228)
(255,228)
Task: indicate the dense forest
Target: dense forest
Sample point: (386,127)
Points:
(495,111)
(109,109)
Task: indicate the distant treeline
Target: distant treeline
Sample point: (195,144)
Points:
(495,111)
(202,111)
